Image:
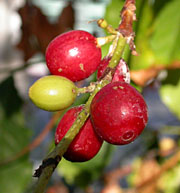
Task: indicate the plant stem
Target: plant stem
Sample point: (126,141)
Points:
(55,156)
(51,161)
(117,52)
(104,40)
(61,148)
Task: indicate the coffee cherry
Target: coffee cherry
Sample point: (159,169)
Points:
(53,93)
(122,70)
(85,145)
(118,113)
(74,54)
(102,66)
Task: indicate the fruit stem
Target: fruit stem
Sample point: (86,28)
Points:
(104,40)
(45,171)
(87,89)
(117,53)
(104,25)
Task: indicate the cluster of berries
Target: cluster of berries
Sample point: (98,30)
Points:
(118,112)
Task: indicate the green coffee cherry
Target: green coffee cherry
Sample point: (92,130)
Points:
(53,93)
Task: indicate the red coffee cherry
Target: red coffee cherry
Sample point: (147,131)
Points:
(119,113)
(122,70)
(85,145)
(74,54)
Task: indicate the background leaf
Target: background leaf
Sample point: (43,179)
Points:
(15,176)
(10,101)
(82,174)
(112,14)
(146,57)
(170,91)
(166,34)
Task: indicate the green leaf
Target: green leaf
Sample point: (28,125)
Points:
(165,41)
(170,92)
(15,176)
(10,101)
(169,182)
(112,14)
(143,27)
(158,5)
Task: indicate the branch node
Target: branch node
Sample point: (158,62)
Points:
(47,162)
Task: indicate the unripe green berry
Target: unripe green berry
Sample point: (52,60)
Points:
(53,93)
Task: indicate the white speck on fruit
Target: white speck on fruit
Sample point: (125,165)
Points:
(81,65)
(60,70)
(77,147)
(125,71)
(115,87)
(121,87)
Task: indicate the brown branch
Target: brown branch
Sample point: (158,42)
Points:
(112,177)
(35,142)
(169,164)
(116,174)
(128,16)
(126,26)
(141,77)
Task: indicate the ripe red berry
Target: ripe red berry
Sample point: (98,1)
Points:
(122,70)
(74,54)
(85,145)
(118,113)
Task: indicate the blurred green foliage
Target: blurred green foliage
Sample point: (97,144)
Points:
(158,43)
(14,136)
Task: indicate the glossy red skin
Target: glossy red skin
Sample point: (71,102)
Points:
(85,145)
(119,113)
(122,70)
(74,55)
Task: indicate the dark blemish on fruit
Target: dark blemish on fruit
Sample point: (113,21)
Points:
(74,90)
(128,135)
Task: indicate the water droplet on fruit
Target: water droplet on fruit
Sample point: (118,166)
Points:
(123,113)
(53,92)
(73,51)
